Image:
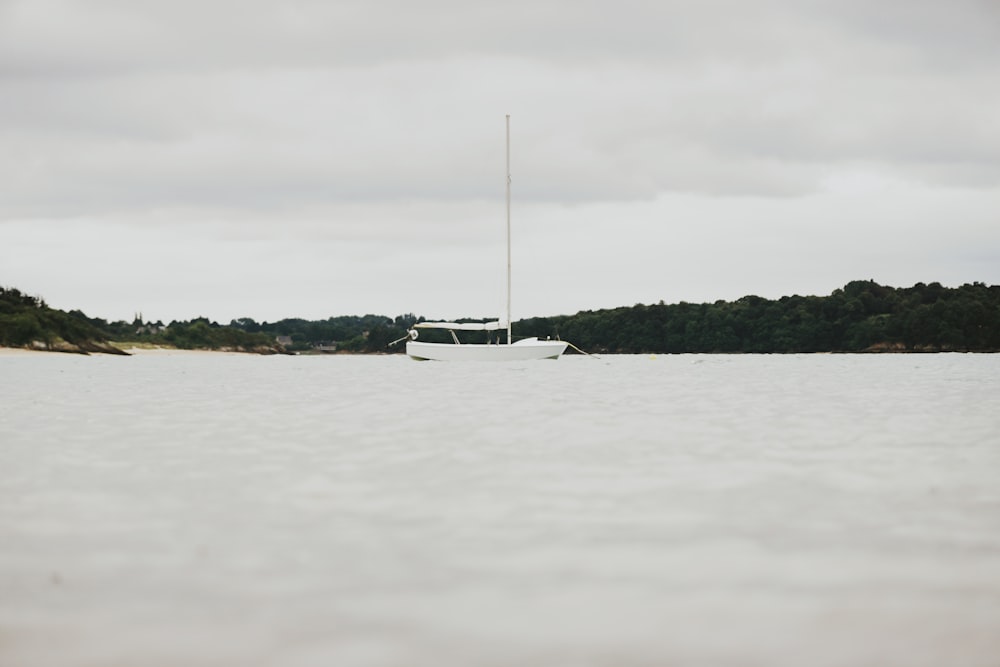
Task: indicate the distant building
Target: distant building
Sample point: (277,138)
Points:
(283,340)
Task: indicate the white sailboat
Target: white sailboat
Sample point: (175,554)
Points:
(522,350)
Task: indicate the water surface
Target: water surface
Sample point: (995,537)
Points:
(211,509)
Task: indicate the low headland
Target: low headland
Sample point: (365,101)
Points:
(863,316)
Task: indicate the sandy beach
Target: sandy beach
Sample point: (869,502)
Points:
(18,352)
(170,351)
(159,351)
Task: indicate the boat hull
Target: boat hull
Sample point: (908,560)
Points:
(523,350)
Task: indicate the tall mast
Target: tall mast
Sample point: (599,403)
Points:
(509,340)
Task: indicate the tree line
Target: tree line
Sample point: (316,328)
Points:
(863,316)
(27,321)
(350,333)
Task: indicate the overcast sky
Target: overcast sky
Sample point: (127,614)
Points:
(306,158)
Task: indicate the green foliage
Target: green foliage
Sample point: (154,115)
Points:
(863,316)
(17,329)
(200,333)
(351,333)
(25,320)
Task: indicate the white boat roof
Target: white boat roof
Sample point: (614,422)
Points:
(462,326)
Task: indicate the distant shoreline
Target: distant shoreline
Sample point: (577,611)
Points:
(177,352)
(861,317)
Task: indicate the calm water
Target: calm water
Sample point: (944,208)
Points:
(357,511)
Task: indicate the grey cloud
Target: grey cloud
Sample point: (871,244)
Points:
(367,136)
(262,104)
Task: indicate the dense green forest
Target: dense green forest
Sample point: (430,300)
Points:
(863,316)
